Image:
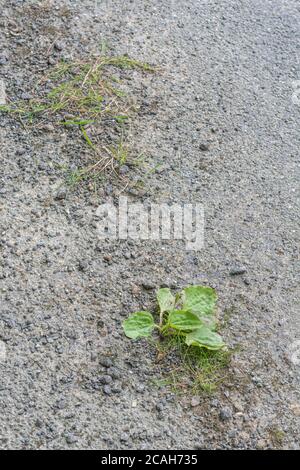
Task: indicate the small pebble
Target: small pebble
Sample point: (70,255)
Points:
(160,406)
(106,362)
(195,401)
(204,147)
(148,285)
(20,152)
(51,61)
(140,388)
(26,96)
(135,290)
(71,439)
(59,45)
(60,194)
(47,128)
(93,356)
(114,372)
(225,414)
(105,379)
(123,170)
(3,60)
(83,265)
(107,390)
(236,270)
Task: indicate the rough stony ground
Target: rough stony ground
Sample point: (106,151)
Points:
(226,82)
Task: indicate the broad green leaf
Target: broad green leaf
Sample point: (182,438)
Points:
(139,324)
(200,300)
(165,299)
(183,320)
(209,320)
(205,338)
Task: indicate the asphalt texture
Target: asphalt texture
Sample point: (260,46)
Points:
(219,125)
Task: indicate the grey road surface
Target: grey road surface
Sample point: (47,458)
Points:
(219,125)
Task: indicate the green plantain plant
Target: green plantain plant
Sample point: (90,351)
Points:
(191,314)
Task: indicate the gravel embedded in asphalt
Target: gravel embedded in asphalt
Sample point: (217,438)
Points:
(220,123)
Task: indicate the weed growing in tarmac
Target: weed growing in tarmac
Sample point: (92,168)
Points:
(187,330)
(84,95)
(197,369)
